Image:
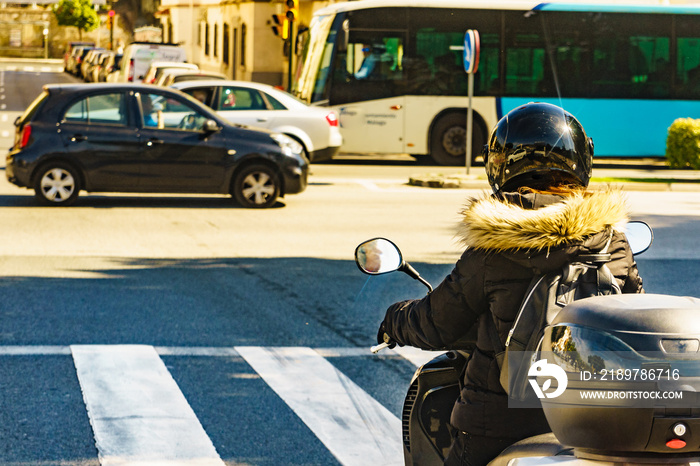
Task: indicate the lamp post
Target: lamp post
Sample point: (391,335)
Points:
(46,42)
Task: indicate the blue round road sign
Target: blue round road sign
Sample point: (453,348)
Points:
(471,51)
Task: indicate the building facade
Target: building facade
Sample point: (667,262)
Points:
(234,37)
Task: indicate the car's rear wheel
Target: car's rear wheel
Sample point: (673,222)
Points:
(256,186)
(57,184)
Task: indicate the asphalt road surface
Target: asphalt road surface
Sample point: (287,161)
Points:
(138,329)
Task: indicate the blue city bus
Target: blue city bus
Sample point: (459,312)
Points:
(626,71)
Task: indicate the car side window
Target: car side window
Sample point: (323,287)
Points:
(203,94)
(237,98)
(170,113)
(276,104)
(106,109)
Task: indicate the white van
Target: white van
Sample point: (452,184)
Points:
(138,57)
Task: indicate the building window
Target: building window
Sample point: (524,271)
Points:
(199,34)
(243,38)
(206,39)
(226,44)
(216,40)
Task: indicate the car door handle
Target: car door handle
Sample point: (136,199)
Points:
(78,138)
(262,119)
(151,142)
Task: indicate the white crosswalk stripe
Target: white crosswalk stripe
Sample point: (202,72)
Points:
(341,414)
(138,414)
(140,417)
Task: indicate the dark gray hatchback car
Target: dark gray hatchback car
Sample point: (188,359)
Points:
(142,138)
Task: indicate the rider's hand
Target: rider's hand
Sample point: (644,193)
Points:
(383,337)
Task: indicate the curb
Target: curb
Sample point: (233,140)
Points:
(441,181)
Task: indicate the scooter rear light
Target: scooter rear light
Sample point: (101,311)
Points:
(25,135)
(332,119)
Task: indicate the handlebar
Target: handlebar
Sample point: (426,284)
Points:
(377,348)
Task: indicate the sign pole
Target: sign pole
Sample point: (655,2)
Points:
(470,122)
(471,64)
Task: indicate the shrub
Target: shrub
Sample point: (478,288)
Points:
(683,144)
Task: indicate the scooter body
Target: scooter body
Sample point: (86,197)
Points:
(425,418)
(584,434)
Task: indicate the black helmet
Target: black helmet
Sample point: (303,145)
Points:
(536,144)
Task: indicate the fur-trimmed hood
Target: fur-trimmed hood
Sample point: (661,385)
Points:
(498,224)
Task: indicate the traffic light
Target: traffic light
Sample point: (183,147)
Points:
(280,26)
(292,10)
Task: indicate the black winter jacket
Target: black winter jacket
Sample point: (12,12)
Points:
(509,239)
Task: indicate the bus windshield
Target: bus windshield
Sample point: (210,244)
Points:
(312,82)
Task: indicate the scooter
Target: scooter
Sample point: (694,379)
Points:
(654,337)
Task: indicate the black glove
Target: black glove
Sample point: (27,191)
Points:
(383,337)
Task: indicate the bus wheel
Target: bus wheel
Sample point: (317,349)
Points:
(449,140)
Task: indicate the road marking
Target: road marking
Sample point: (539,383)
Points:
(138,414)
(416,356)
(34,350)
(140,418)
(354,427)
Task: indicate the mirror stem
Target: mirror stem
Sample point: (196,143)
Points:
(408,269)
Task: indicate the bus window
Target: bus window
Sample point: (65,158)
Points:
(688,59)
(567,35)
(369,68)
(526,71)
(487,79)
(312,82)
(631,57)
(432,68)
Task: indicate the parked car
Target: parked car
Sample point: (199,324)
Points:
(138,57)
(93,69)
(110,68)
(70,48)
(88,61)
(141,138)
(159,67)
(76,58)
(175,76)
(254,104)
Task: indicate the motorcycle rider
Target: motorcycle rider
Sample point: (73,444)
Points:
(540,216)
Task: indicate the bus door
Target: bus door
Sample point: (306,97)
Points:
(367,89)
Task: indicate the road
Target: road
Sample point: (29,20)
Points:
(185,327)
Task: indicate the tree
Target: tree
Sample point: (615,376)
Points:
(136,13)
(78,13)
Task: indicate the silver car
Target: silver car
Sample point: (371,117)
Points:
(264,106)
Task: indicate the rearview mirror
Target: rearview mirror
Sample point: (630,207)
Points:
(377,256)
(211,126)
(344,38)
(639,236)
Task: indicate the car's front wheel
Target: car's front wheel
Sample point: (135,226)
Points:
(256,186)
(57,184)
